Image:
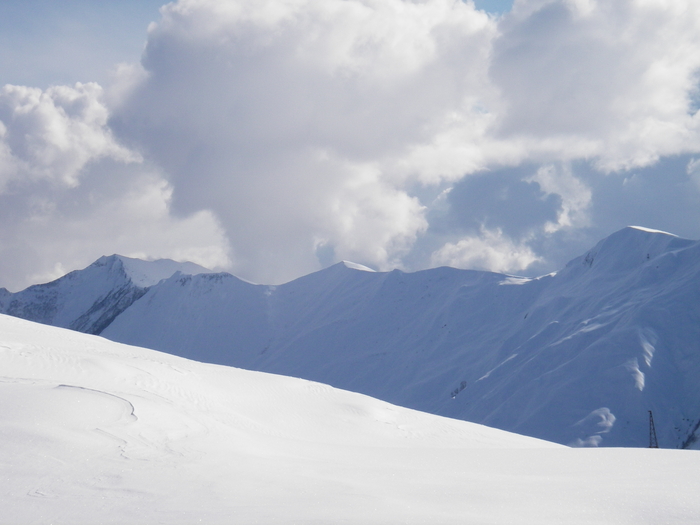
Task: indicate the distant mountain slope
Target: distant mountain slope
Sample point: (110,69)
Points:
(577,357)
(88,300)
(94,431)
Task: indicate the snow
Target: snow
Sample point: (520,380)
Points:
(615,331)
(149,273)
(88,300)
(534,358)
(355,266)
(515,280)
(99,432)
(649,230)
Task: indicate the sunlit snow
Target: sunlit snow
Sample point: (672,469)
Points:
(99,432)
(617,328)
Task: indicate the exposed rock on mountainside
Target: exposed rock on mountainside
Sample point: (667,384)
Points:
(89,300)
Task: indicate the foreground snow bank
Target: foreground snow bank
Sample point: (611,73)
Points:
(95,431)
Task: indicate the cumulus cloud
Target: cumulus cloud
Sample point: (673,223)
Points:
(370,220)
(51,135)
(295,133)
(582,89)
(292,120)
(491,250)
(70,192)
(305,124)
(575,196)
(610,81)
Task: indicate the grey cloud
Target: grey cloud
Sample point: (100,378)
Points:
(284,118)
(45,231)
(557,75)
(69,192)
(284,123)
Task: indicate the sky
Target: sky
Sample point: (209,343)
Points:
(272,138)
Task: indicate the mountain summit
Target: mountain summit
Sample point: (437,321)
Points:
(89,300)
(579,357)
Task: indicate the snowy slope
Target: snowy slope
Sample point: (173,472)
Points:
(145,274)
(98,432)
(88,300)
(578,357)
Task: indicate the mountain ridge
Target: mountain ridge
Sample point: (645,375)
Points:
(89,300)
(577,357)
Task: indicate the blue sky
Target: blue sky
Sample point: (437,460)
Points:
(497,7)
(45,42)
(271,138)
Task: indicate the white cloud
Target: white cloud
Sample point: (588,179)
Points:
(47,232)
(299,131)
(575,196)
(609,81)
(371,221)
(491,250)
(693,170)
(71,193)
(291,120)
(303,123)
(51,135)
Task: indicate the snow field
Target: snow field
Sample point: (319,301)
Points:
(96,431)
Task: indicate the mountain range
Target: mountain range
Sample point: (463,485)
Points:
(579,357)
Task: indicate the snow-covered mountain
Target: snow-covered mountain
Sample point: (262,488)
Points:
(88,300)
(577,357)
(94,431)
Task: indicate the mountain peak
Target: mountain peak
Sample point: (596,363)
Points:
(145,274)
(629,248)
(88,300)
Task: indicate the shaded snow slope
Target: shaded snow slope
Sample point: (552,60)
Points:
(578,357)
(99,432)
(88,300)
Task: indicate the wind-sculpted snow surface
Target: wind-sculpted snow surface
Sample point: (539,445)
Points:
(578,357)
(95,431)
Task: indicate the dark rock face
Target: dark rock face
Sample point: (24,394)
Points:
(86,300)
(106,309)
